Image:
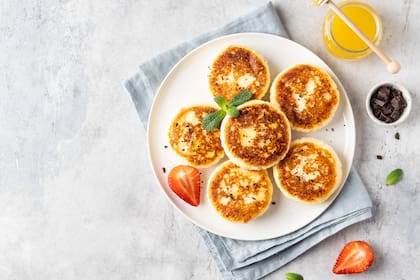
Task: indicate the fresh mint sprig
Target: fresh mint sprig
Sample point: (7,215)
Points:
(240,98)
(213,120)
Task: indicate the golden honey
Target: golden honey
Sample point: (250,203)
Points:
(341,41)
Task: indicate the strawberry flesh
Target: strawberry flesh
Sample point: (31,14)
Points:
(184,181)
(356,257)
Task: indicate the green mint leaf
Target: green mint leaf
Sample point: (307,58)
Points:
(394,176)
(233,112)
(293,276)
(240,98)
(221,101)
(213,120)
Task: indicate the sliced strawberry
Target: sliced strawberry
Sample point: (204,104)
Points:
(356,257)
(184,180)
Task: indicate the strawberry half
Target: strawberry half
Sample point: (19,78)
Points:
(356,257)
(184,180)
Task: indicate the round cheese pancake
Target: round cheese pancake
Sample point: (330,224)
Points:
(310,172)
(237,194)
(190,140)
(307,95)
(257,139)
(237,69)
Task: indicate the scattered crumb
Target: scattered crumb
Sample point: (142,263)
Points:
(332,128)
(273,203)
(164,169)
(326,129)
(379,157)
(397,136)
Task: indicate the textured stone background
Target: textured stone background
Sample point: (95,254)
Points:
(77,198)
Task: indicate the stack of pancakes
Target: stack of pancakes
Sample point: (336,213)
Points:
(302,97)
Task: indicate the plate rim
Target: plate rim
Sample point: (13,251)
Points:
(226,37)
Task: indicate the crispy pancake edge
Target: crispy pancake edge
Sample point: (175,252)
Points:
(239,161)
(338,169)
(261,59)
(215,205)
(219,156)
(319,125)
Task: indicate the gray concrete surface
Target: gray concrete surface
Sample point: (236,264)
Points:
(77,197)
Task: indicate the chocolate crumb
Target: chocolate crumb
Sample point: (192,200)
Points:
(379,157)
(397,136)
(166,146)
(164,169)
(332,128)
(273,203)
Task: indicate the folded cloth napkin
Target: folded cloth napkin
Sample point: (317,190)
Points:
(238,259)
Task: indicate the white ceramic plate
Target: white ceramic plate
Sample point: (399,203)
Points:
(187,84)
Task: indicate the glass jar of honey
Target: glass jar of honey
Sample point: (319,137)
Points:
(341,41)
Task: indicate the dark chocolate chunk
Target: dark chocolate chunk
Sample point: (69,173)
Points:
(381,116)
(396,92)
(384,93)
(396,115)
(385,118)
(389,119)
(379,157)
(377,112)
(397,102)
(397,136)
(378,102)
(387,109)
(404,103)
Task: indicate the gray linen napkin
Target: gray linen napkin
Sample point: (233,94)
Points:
(238,259)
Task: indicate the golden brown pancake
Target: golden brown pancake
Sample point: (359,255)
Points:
(257,139)
(310,172)
(188,139)
(237,69)
(307,95)
(237,194)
